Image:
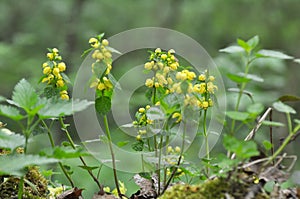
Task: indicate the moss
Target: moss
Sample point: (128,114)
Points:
(9,188)
(210,189)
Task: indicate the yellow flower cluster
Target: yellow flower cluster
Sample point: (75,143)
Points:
(142,121)
(101,54)
(162,63)
(52,70)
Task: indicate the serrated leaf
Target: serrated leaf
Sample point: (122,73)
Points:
(10,112)
(63,153)
(15,164)
(57,108)
(281,107)
(272,54)
(242,149)
(10,140)
(236,115)
(103,105)
(24,95)
(232,49)
(138,145)
(237,78)
(289,98)
(272,123)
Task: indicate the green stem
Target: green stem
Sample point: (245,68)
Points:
(286,140)
(243,86)
(59,163)
(21,187)
(112,155)
(159,162)
(65,129)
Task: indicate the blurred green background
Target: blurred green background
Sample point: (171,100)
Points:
(29,27)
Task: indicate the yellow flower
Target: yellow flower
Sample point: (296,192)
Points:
(149,83)
(181,76)
(107,82)
(61,66)
(142,132)
(55,51)
(171,51)
(164,56)
(205,104)
(148,107)
(211,87)
(177,149)
(64,95)
(50,56)
(202,77)
(60,83)
(191,75)
(47,70)
(211,78)
(161,79)
(101,86)
(148,66)
(94,42)
(170,80)
(56,71)
(156,84)
(170,149)
(174,66)
(142,110)
(45,64)
(138,137)
(107,55)
(178,116)
(157,50)
(105,42)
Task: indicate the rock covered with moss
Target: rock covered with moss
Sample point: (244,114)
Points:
(35,186)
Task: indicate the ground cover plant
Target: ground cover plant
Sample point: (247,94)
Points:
(178,97)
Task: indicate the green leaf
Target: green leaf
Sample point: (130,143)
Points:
(272,123)
(113,50)
(63,153)
(138,145)
(232,49)
(10,140)
(269,186)
(10,112)
(244,45)
(297,121)
(289,98)
(251,77)
(255,108)
(237,90)
(281,107)
(268,145)
(253,42)
(272,54)
(24,95)
(15,164)
(57,108)
(103,105)
(237,78)
(50,92)
(242,149)
(122,143)
(236,115)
